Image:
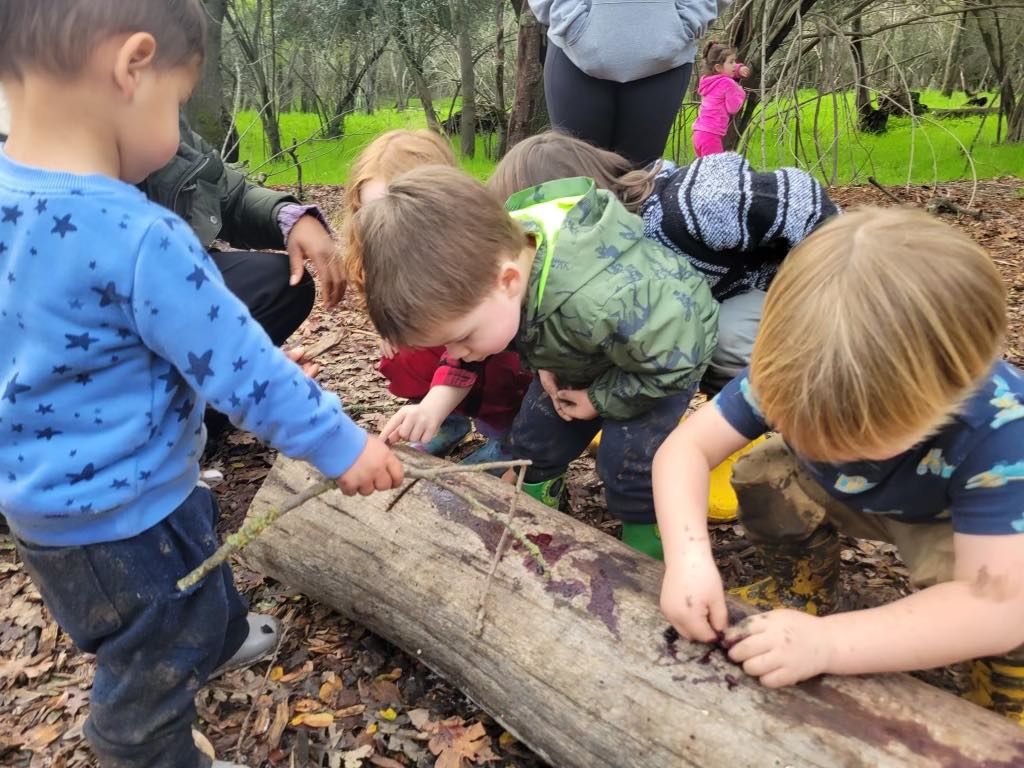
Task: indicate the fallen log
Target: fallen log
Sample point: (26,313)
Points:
(964,112)
(574,661)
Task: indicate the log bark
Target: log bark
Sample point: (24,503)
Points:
(576,665)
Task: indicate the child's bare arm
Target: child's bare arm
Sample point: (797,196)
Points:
(980,613)
(692,597)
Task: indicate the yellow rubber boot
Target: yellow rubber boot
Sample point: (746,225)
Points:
(803,576)
(997,683)
(722,501)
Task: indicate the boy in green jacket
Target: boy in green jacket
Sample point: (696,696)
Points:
(619,328)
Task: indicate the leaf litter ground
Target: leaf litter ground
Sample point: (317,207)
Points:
(337,695)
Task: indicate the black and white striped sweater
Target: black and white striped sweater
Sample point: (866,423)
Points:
(734,224)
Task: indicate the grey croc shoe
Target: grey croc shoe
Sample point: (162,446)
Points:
(264,634)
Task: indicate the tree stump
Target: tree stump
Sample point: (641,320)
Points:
(575,663)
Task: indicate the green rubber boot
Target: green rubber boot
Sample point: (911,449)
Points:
(548,492)
(643,537)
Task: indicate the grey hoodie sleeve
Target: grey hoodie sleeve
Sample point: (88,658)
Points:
(542,10)
(697,15)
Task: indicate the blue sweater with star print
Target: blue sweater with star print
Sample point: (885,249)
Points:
(116,331)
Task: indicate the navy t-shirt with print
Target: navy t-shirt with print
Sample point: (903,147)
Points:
(972,469)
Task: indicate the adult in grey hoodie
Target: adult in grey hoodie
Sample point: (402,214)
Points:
(616,70)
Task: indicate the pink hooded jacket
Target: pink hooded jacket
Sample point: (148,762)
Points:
(721,97)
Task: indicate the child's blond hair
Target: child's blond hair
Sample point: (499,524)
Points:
(432,249)
(876,328)
(389,155)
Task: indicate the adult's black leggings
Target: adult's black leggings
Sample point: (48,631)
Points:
(633,119)
(260,280)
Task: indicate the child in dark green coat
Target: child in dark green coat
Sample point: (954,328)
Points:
(619,328)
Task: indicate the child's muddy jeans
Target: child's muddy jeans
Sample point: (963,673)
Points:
(623,460)
(154,648)
(781,503)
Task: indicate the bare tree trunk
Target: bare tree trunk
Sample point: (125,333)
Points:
(467,121)
(499,76)
(949,72)
(345,102)
(419,77)
(528,106)
(572,658)
(995,45)
(748,34)
(252,46)
(206,110)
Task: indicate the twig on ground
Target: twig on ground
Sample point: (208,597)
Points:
(874,183)
(499,552)
(328,342)
(945,205)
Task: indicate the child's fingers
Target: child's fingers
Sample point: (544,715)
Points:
(296,264)
(390,433)
(779,678)
(718,613)
(694,626)
(549,384)
(750,647)
(763,664)
(395,471)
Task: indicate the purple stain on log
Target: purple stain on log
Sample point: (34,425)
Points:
(671,638)
(818,704)
(460,513)
(731,681)
(606,574)
(551,553)
(567,588)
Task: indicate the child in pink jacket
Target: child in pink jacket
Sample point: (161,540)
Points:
(721,97)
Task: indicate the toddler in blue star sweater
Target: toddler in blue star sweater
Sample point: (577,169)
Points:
(117,330)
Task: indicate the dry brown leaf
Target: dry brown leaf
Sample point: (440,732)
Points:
(393,675)
(278,726)
(385,762)
(420,718)
(355,709)
(42,736)
(306,705)
(300,674)
(330,690)
(455,744)
(355,758)
(312,719)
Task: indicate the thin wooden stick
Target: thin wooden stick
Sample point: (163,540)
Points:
(257,525)
(874,183)
(499,552)
(313,351)
(253,528)
(424,473)
(529,546)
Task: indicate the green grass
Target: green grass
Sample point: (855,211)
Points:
(916,150)
(329,161)
(921,150)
